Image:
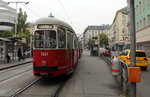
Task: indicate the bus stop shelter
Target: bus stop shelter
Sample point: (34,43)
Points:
(16,43)
(4,49)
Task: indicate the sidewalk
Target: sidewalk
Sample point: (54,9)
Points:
(15,63)
(92,79)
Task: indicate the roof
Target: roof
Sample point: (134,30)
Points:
(102,27)
(14,39)
(4,39)
(50,20)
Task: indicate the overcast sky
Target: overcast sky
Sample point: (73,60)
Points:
(78,13)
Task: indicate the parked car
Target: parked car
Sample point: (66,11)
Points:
(141,58)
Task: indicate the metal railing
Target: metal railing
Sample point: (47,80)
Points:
(124,71)
(107,60)
(124,76)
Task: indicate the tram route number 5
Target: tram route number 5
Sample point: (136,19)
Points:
(44,54)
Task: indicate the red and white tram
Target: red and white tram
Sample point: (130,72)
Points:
(55,50)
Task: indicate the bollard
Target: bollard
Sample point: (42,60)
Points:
(115,66)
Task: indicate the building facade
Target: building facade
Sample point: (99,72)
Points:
(119,27)
(142,16)
(94,31)
(7,16)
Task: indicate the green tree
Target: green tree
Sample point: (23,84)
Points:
(22,25)
(6,34)
(26,36)
(91,41)
(103,39)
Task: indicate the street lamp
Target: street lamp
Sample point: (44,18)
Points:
(17,15)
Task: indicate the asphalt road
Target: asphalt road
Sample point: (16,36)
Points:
(143,87)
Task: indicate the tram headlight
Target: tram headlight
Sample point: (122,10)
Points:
(43,63)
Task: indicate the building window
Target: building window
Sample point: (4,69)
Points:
(148,19)
(137,25)
(140,23)
(136,9)
(89,36)
(148,2)
(143,4)
(95,33)
(144,24)
(140,7)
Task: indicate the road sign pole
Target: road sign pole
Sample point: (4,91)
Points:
(132,44)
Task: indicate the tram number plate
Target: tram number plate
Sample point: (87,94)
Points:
(44,74)
(44,54)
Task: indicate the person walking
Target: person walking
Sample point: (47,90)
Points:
(19,54)
(8,57)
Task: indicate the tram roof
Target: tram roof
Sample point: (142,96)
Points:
(50,20)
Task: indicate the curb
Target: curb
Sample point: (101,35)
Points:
(15,65)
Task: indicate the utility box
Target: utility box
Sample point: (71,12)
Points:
(134,74)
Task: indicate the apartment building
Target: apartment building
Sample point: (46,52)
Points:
(95,31)
(119,28)
(7,16)
(142,16)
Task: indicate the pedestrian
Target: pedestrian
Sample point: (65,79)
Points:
(1,53)
(24,54)
(19,54)
(8,57)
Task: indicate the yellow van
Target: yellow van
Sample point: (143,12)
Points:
(141,58)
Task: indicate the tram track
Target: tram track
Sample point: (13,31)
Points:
(10,73)
(13,68)
(17,93)
(50,87)
(58,91)
(20,73)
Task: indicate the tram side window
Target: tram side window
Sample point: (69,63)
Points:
(39,39)
(50,39)
(75,44)
(69,40)
(61,37)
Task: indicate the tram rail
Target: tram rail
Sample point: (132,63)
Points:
(14,65)
(12,68)
(24,88)
(59,89)
(15,75)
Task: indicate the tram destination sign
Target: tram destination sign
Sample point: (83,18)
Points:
(44,26)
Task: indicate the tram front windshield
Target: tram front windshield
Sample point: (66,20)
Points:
(45,39)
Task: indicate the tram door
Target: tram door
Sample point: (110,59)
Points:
(70,47)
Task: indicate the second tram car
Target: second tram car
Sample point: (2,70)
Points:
(55,50)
